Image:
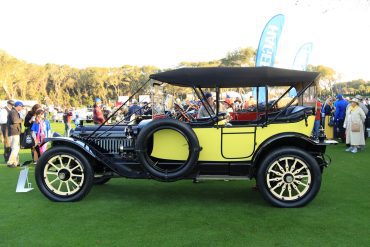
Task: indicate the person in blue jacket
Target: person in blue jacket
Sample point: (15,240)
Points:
(133,109)
(339,116)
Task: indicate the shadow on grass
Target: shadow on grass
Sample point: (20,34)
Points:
(208,192)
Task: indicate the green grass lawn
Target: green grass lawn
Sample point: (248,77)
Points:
(219,213)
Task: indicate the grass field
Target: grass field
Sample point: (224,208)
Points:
(219,213)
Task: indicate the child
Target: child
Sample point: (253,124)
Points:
(40,130)
(77,120)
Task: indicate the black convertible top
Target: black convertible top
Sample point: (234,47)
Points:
(227,77)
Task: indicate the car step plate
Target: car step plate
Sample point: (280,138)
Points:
(221,177)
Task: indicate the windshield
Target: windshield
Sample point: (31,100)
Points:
(280,97)
(309,96)
(169,99)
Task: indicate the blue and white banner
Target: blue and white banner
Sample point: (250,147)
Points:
(302,57)
(301,61)
(269,41)
(267,47)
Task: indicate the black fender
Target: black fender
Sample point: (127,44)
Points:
(286,139)
(93,154)
(70,142)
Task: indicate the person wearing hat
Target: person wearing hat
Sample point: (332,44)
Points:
(354,124)
(361,104)
(339,116)
(4,113)
(366,111)
(207,107)
(98,116)
(14,132)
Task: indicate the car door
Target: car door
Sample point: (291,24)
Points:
(237,142)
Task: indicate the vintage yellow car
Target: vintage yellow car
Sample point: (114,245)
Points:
(268,139)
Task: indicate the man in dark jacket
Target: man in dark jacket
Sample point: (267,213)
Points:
(133,109)
(4,128)
(15,128)
(67,119)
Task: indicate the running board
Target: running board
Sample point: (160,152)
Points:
(220,177)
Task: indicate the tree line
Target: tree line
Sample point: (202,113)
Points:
(62,85)
(66,86)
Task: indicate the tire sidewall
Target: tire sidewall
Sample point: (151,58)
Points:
(88,174)
(294,152)
(175,125)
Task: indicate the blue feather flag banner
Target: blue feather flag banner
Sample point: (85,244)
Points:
(302,57)
(269,41)
(267,47)
(301,61)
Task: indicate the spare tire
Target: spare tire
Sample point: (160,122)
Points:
(157,168)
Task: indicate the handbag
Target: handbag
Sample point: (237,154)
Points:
(27,140)
(331,121)
(355,127)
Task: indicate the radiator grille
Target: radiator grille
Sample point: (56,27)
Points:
(112,145)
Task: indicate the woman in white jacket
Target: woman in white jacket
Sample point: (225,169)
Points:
(354,124)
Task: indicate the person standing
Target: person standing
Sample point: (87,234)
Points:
(354,124)
(134,109)
(316,126)
(67,118)
(361,104)
(326,110)
(1,133)
(31,116)
(339,115)
(98,116)
(28,121)
(147,110)
(40,130)
(77,120)
(5,129)
(366,111)
(15,128)
(238,104)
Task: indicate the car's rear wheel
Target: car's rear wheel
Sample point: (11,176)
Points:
(289,177)
(63,174)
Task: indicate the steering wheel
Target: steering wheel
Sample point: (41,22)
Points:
(183,116)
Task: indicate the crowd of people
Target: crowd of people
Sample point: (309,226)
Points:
(126,114)
(228,104)
(34,123)
(348,118)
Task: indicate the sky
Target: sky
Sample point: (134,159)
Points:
(163,33)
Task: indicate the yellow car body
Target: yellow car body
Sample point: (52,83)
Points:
(222,143)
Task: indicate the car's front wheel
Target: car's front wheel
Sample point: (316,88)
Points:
(289,177)
(63,174)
